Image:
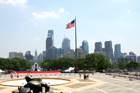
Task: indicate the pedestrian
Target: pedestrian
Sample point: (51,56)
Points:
(11,75)
(80,75)
(17,75)
(87,76)
(84,76)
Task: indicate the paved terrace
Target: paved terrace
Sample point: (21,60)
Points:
(97,83)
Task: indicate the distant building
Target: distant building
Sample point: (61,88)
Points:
(117,51)
(44,55)
(138,59)
(51,35)
(51,53)
(105,54)
(69,55)
(49,40)
(81,53)
(66,45)
(40,57)
(60,51)
(85,46)
(72,50)
(49,43)
(108,49)
(15,54)
(126,58)
(98,47)
(132,53)
(35,58)
(28,55)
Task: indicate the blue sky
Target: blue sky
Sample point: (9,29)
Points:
(24,24)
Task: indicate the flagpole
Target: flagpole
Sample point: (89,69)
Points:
(76,67)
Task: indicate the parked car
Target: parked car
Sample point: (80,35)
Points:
(110,70)
(124,70)
(102,71)
(130,69)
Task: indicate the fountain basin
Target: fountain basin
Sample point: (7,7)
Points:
(22,82)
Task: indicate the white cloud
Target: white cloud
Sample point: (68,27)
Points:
(128,11)
(37,39)
(67,12)
(35,23)
(61,10)
(14,2)
(51,14)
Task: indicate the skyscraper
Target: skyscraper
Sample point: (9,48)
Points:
(44,55)
(66,45)
(117,50)
(51,53)
(108,49)
(98,47)
(51,35)
(85,46)
(50,39)
(40,57)
(35,52)
(35,58)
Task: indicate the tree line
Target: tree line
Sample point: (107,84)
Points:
(91,61)
(16,64)
(126,65)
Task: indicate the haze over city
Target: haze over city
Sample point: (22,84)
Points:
(24,24)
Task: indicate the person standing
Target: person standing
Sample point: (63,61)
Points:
(11,76)
(85,76)
(80,75)
(17,75)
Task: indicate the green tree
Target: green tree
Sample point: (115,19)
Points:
(122,65)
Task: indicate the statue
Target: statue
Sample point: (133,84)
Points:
(36,86)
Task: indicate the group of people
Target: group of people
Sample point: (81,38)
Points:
(16,74)
(85,76)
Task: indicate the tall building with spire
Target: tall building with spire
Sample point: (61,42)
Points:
(35,58)
(35,52)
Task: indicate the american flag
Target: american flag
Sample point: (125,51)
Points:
(71,24)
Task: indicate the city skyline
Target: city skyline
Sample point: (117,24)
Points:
(24,24)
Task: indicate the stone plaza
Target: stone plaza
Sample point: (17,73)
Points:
(97,83)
